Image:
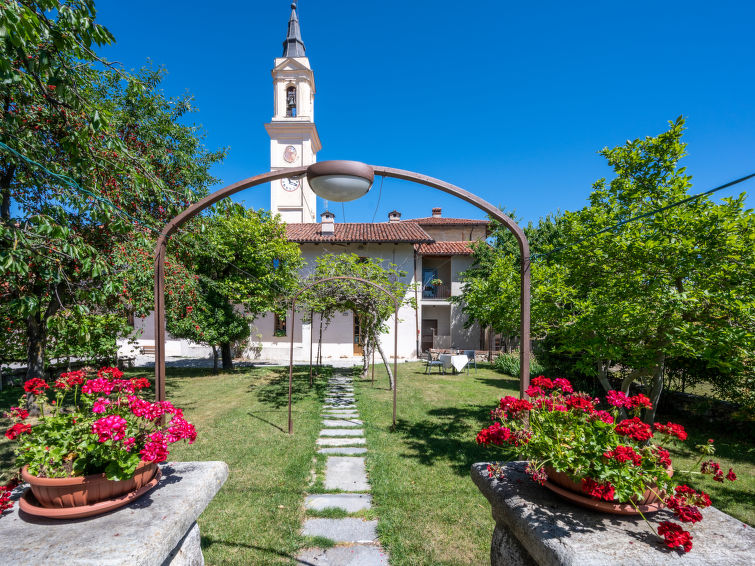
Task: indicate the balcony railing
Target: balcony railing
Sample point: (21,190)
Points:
(442,291)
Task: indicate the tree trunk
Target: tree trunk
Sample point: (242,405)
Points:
(656,388)
(603,374)
(35,356)
(225,349)
(490,343)
(36,336)
(319,345)
(5,179)
(366,358)
(387,365)
(628,380)
(214,359)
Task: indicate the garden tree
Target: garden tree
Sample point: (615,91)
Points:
(491,287)
(115,134)
(675,283)
(247,267)
(373,306)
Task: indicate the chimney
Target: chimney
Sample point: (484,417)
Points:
(436,212)
(394,216)
(327,226)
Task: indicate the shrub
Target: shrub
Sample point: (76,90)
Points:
(509,364)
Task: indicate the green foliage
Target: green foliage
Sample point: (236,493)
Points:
(246,266)
(89,338)
(115,134)
(679,283)
(508,363)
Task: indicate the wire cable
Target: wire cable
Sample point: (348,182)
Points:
(380,194)
(535,257)
(74,185)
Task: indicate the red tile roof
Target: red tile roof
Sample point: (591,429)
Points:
(441,220)
(446,248)
(383,232)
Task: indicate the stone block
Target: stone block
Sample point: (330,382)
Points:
(352,555)
(343,450)
(349,502)
(347,473)
(154,530)
(340,441)
(342,432)
(550,530)
(341,423)
(341,530)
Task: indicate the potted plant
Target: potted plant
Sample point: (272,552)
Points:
(598,458)
(96,441)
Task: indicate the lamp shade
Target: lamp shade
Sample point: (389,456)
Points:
(340,181)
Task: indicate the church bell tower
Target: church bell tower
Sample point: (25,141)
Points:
(294,141)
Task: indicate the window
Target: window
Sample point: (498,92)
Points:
(291,102)
(280,326)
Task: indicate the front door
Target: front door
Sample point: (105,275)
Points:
(429,330)
(358,338)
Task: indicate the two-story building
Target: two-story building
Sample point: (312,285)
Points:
(432,252)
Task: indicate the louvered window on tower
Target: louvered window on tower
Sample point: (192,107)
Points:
(291,102)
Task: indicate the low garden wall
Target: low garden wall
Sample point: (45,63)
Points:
(533,526)
(158,529)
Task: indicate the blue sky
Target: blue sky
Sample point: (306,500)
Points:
(510,101)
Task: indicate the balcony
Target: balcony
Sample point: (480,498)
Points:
(442,291)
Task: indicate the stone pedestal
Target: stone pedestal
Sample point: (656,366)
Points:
(536,527)
(158,529)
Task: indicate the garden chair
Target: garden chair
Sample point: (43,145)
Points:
(472,359)
(431,363)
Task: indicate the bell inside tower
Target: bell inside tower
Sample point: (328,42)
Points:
(291,102)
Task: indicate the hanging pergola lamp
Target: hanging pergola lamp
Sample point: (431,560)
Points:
(340,181)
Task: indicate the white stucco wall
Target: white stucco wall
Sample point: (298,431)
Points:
(337,343)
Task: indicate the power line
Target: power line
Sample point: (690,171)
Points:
(74,185)
(536,257)
(380,194)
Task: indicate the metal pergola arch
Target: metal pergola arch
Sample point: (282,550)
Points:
(396,305)
(172,225)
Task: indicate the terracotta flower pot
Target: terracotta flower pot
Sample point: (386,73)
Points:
(562,484)
(87,490)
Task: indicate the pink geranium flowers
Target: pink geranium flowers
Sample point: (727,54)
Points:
(95,424)
(112,427)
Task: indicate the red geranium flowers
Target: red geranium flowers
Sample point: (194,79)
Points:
(635,428)
(612,458)
(36,386)
(675,536)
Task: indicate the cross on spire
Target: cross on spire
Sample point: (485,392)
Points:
(293,46)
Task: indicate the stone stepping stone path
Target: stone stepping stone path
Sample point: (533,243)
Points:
(342,441)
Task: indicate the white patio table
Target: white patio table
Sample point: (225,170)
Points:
(457,361)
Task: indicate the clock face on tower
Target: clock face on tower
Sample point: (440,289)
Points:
(290,184)
(289,154)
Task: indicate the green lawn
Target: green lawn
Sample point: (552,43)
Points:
(430,512)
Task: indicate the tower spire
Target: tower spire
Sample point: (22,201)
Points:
(293,46)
